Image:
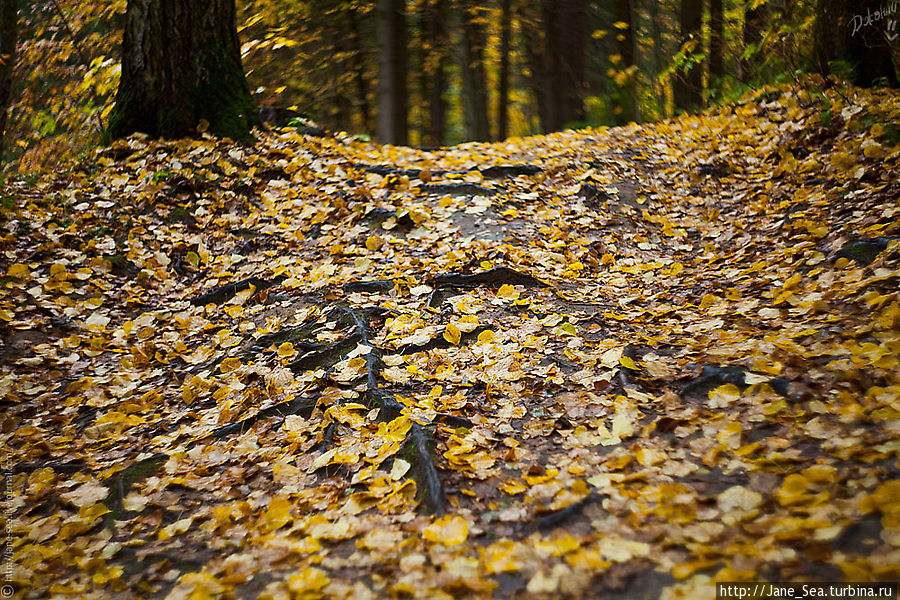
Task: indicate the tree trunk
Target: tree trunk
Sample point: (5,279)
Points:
(433,70)
(869,48)
(535,55)
(181,67)
(716,45)
(754,23)
(845,32)
(392,94)
(8,35)
(359,71)
(337,41)
(689,79)
(553,84)
(503,91)
(657,32)
(574,35)
(475,100)
(557,55)
(625,44)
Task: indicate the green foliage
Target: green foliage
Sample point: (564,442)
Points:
(63,86)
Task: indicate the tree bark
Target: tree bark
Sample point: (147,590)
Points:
(553,85)
(8,37)
(433,70)
(359,70)
(555,44)
(689,79)
(716,45)
(181,66)
(503,91)
(625,43)
(535,55)
(574,35)
(392,94)
(754,23)
(475,102)
(844,32)
(657,32)
(869,46)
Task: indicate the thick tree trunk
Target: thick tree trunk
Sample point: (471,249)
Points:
(503,91)
(689,79)
(8,35)
(392,93)
(869,44)
(181,66)
(716,44)
(475,102)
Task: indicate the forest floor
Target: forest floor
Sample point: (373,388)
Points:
(611,363)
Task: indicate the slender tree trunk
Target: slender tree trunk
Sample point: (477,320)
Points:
(573,32)
(558,58)
(625,42)
(181,67)
(426,55)
(475,100)
(503,92)
(689,80)
(716,45)
(359,71)
(336,69)
(432,80)
(535,52)
(657,32)
(8,36)
(754,24)
(437,101)
(553,84)
(392,94)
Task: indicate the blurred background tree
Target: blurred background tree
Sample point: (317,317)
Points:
(438,72)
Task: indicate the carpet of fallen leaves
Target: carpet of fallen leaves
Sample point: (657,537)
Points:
(700,383)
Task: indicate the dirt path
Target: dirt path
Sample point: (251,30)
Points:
(624,365)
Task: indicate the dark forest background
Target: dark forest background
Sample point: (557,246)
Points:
(439,72)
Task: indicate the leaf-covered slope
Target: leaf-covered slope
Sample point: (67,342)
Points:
(603,363)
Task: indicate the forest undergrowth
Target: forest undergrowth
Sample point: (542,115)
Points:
(605,363)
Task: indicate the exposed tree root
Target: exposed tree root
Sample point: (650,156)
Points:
(462,189)
(298,406)
(418,441)
(120,484)
(504,171)
(60,467)
(440,342)
(494,172)
(551,520)
(492,278)
(430,490)
(226,292)
(442,284)
(375,286)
